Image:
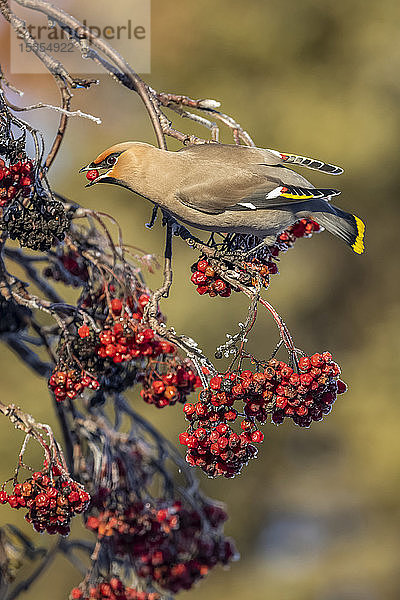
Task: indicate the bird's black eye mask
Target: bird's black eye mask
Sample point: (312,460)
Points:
(108,162)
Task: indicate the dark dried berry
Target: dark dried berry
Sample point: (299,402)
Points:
(37,227)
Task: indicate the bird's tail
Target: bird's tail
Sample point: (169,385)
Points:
(344,225)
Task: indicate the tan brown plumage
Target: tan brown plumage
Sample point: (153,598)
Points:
(228,188)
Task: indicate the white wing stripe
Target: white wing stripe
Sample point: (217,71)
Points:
(248,205)
(274,193)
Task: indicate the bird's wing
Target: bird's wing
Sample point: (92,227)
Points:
(305,161)
(248,190)
(252,155)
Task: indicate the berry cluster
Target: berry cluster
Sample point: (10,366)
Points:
(70,383)
(278,391)
(122,352)
(37,226)
(173,386)
(110,589)
(168,543)
(15,179)
(70,268)
(259,268)
(98,354)
(306,396)
(211,442)
(51,501)
(301,229)
(123,342)
(207,281)
(124,338)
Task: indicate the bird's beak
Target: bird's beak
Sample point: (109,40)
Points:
(88,167)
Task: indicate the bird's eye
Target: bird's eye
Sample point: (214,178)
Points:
(111,160)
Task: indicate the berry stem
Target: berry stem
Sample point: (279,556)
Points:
(283,330)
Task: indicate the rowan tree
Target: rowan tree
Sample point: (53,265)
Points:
(153,531)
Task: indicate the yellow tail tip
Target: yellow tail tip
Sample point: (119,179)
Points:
(358,245)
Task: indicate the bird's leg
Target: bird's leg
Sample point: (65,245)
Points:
(168,260)
(168,241)
(153,217)
(211,242)
(150,312)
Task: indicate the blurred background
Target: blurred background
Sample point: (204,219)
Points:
(316,516)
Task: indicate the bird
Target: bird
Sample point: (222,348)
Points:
(227,188)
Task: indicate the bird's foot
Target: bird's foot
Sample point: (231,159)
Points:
(153,217)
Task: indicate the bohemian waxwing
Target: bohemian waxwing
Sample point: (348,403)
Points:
(226,188)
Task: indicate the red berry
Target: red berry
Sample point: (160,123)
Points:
(116,305)
(222,428)
(148,335)
(170,392)
(200,433)
(202,289)
(316,360)
(143,300)
(201,409)
(13,501)
(189,409)
(158,387)
(247,375)
(215,383)
(230,415)
(41,500)
(281,402)
(286,371)
(92,174)
(306,379)
(305,363)
(257,436)
(219,285)
(73,497)
(202,265)
(192,441)
(198,278)
(118,329)
(25,181)
(183,438)
(83,331)
(111,350)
